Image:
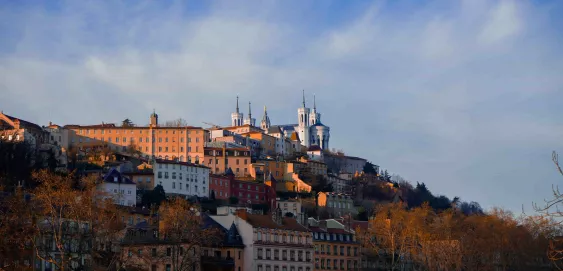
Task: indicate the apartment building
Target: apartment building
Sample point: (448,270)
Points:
(337,204)
(119,187)
(182,178)
(272,242)
(221,159)
(185,144)
(336,247)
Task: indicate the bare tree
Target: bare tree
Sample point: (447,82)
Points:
(550,209)
(179,240)
(179,122)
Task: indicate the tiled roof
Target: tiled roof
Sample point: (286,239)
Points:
(265,221)
(23,122)
(314,148)
(109,177)
(274,130)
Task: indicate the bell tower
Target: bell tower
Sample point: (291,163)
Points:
(236,117)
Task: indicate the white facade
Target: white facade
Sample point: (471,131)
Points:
(182,178)
(122,193)
(290,206)
(261,245)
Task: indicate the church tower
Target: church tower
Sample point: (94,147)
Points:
(236,117)
(153,119)
(303,115)
(315,116)
(250,120)
(265,123)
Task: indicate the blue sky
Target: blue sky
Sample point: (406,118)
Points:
(465,96)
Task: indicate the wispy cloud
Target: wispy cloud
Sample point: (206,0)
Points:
(464,96)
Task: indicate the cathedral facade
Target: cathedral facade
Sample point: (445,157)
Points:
(309,128)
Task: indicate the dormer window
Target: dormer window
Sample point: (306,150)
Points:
(115,179)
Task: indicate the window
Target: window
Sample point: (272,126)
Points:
(259,253)
(259,236)
(268,254)
(168,251)
(284,255)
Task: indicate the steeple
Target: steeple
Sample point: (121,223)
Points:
(249,120)
(265,123)
(314,102)
(236,117)
(303,98)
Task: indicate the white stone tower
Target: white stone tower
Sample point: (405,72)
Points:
(265,123)
(315,116)
(236,117)
(303,123)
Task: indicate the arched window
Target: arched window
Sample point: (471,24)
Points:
(189,159)
(181,158)
(197,159)
(166,157)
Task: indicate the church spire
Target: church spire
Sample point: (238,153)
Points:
(303,98)
(249,111)
(314,102)
(237,104)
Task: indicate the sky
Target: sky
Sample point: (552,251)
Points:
(465,96)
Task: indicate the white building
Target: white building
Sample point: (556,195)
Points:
(272,242)
(182,178)
(310,130)
(119,187)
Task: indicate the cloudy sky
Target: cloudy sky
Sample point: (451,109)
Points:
(466,96)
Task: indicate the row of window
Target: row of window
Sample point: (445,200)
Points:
(326,264)
(180,167)
(291,256)
(166,175)
(335,250)
(334,237)
(331,204)
(187,187)
(102,131)
(285,238)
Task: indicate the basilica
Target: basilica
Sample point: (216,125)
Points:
(309,128)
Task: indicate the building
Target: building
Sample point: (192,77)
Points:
(144,247)
(344,164)
(182,178)
(309,129)
(336,247)
(17,130)
(336,204)
(185,143)
(292,206)
(220,185)
(119,187)
(272,242)
(221,159)
(143,178)
(339,185)
(250,192)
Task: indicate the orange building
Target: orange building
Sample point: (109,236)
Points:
(183,143)
(267,142)
(336,247)
(220,159)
